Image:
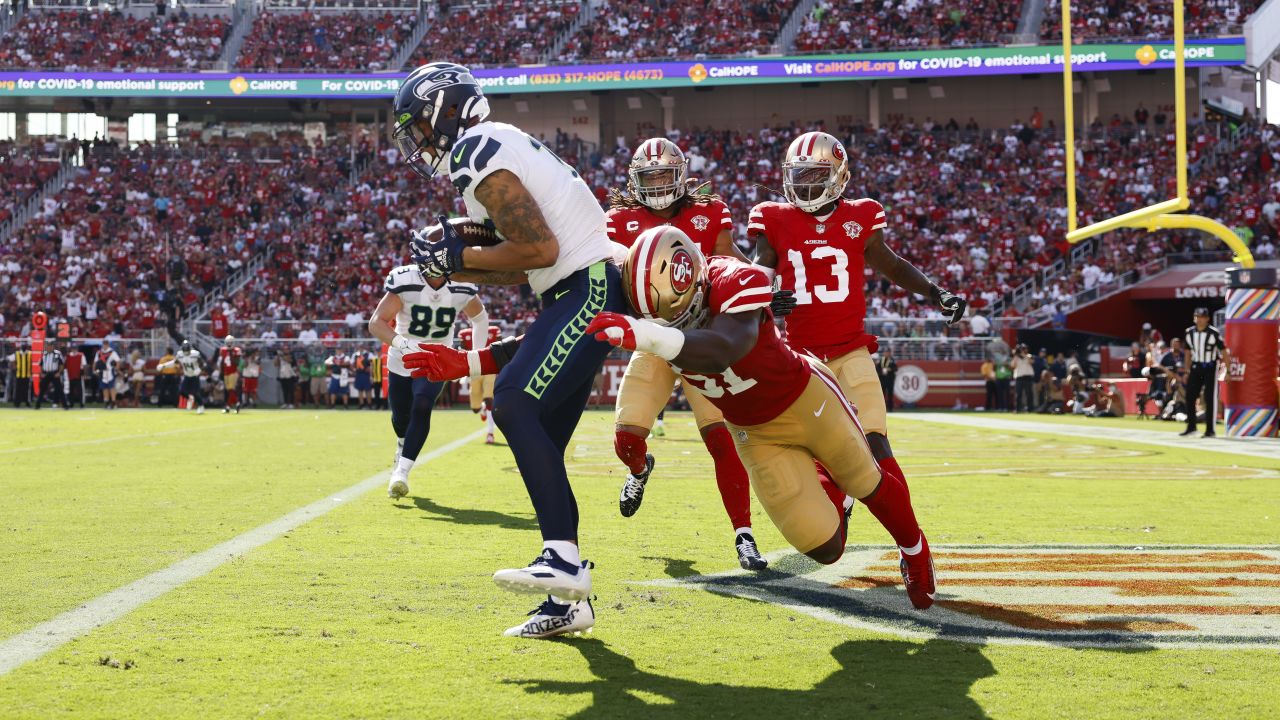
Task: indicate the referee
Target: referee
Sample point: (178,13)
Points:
(1204,347)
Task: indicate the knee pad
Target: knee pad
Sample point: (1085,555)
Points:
(631,450)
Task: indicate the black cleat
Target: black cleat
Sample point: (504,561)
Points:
(748,554)
(633,489)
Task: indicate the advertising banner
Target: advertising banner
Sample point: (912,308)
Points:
(958,62)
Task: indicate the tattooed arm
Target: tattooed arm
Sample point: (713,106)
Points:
(529,243)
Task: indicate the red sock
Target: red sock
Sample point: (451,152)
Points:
(890,464)
(833,491)
(631,450)
(891,504)
(731,477)
(231,397)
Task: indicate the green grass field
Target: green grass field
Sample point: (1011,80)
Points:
(384,609)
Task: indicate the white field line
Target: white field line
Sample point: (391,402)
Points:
(1268,449)
(52,634)
(136,436)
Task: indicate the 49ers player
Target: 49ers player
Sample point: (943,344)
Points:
(481,389)
(658,195)
(784,410)
(818,242)
(229,356)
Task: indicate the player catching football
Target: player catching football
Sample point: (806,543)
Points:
(784,410)
(553,237)
(818,243)
(417,309)
(657,194)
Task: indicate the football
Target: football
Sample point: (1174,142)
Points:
(475,232)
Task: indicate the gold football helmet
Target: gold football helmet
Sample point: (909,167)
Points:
(815,171)
(665,277)
(657,173)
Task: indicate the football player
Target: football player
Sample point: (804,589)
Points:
(229,356)
(818,242)
(783,409)
(554,238)
(192,364)
(417,309)
(480,389)
(657,194)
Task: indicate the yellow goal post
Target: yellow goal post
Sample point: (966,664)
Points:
(1163,215)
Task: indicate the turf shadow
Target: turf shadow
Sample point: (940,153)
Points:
(880,678)
(675,567)
(470,516)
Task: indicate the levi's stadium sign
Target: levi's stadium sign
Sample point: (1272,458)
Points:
(958,62)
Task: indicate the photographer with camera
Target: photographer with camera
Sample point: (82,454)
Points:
(1024,378)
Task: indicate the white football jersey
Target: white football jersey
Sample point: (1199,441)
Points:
(570,209)
(189,362)
(426,314)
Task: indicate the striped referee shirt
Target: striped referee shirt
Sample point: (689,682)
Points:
(1204,346)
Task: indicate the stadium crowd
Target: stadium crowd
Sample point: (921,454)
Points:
(1101,19)
(524,31)
(92,39)
(853,25)
(25,169)
(497,35)
(141,233)
(640,30)
(342,41)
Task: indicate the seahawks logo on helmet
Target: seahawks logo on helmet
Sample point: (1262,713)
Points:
(439,80)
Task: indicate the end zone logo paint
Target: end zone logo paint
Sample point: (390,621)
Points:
(681,272)
(1074,595)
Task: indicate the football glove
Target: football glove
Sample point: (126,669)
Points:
(629,333)
(784,301)
(953,306)
(444,257)
(437,363)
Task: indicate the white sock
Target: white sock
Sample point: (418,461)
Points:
(403,466)
(914,549)
(739,531)
(492,425)
(848,501)
(566,550)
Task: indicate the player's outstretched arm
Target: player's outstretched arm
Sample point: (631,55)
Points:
(438,363)
(529,243)
(726,340)
(880,256)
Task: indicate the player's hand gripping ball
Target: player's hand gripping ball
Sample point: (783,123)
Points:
(437,249)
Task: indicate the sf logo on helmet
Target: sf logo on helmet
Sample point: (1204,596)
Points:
(681,272)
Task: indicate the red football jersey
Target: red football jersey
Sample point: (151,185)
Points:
(464,336)
(822,261)
(229,359)
(757,388)
(701,221)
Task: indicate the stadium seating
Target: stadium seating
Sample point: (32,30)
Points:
(1099,19)
(108,40)
(339,41)
(496,35)
(980,210)
(852,25)
(635,29)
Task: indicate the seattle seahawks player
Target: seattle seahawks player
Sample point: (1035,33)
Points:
(418,309)
(192,364)
(554,239)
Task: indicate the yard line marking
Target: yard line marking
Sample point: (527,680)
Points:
(138,436)
(52,634)
(1103,433)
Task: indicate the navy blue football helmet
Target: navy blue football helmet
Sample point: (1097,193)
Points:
(433,106)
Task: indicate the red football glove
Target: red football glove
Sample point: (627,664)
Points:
(614,328)
(437,363)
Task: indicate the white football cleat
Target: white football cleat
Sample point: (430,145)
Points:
(548,574)
(488,439)
(200,410)
(398,487)
(553,618)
